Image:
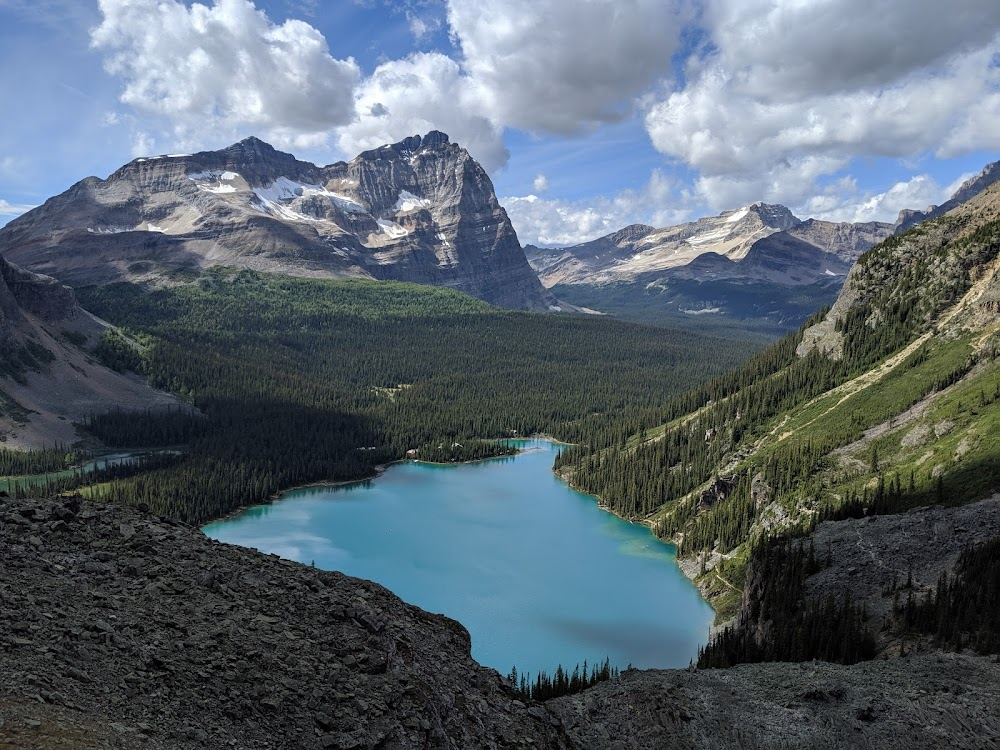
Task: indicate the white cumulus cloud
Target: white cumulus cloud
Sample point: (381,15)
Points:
(212,73)
(540,221)
(562,67)
(788,91)
(425,91)
(13,209)
(842,200)
(540,183)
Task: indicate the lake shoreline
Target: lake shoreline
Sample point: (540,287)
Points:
(462,543)
(379,470)
(683,564)
(686,565)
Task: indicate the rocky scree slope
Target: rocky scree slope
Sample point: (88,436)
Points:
(48,377)
(121,630)
(420,210)
(170,640)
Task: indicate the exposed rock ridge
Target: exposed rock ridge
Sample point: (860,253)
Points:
(926,701)
(760,242)
(420,210)
(939,249)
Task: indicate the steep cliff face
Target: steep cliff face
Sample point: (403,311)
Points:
(421,210)
(924,271)
(48,376)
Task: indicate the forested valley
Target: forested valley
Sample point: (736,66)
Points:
(303,380)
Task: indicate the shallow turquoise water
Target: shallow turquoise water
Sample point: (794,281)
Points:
(535,570)
(7,484)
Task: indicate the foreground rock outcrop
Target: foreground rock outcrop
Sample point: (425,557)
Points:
(173,640)
(121,630)
(928,701)
(421,210)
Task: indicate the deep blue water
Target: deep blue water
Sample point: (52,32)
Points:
(535,570)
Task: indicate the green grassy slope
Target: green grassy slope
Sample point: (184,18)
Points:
(891,401)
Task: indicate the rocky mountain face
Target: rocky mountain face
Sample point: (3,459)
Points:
(122,630)
(925,265)
(24,294)
(759,265)
(48,377)
(638,251)
(970,188)
(421,210)
(760,242)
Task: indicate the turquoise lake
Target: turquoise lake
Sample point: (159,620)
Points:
(535,570)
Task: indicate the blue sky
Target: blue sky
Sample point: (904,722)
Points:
(589,115)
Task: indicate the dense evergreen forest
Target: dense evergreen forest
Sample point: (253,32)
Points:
(964,610)
(298,380)
(797,627)
(20,462)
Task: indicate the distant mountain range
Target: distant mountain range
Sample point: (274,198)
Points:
(759,242)
(420,210)
(757,267)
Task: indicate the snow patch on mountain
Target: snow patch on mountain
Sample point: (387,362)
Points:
(407,201)
(284,189)
(220,181)
(392,229)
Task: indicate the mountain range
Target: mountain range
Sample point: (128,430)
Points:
(757,242)
(754,268)
(420,210)
(423,210)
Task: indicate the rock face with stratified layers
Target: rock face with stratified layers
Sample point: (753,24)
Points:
(421,210)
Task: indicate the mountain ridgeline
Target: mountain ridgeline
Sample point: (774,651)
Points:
(754,268)
(421,210)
